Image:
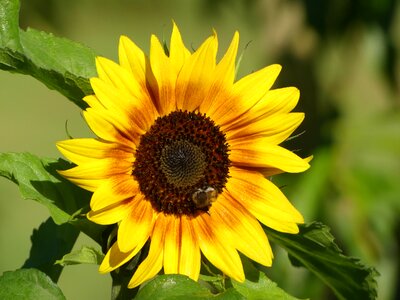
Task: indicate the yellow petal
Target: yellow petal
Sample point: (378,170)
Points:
(309,158)
(194,78)
(116,258)
(165,77)
(108,97)
(93,102)
(274,129)
(261,154)
(135,112)
(219,253)
(114,190)
(135,228)
(117,76)
(181,249)
(253,87)
(172,244)
(87,184)
(152,264)
(226,68)
(190,256)
(110,214)
(270,172)
(99,169)
(281,100)
(107,128)
(177,50)
(264,200)
(124,130)
(241,229)
(277,101)
(132,58)
(222,78)
(245,94)
(81,151)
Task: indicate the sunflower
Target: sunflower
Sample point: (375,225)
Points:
(181,158)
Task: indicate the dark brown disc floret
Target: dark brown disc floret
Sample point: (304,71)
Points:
(182,157)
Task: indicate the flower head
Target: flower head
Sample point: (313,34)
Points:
(181,158)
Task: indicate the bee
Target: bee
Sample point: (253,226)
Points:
(203,198)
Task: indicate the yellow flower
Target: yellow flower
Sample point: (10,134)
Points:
(181,158)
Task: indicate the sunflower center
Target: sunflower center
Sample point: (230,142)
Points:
(182,163)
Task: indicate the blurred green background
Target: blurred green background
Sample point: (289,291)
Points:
(344,56)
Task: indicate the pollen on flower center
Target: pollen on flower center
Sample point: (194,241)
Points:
(181,154)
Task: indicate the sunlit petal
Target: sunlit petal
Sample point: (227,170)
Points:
(220,254)
(136,227)
(154,260)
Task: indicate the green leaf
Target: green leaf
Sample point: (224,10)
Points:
(38,180)
(28,284)
(180,287)
(49,243)
(315,249)
(9,31)
(263,288)
(59,63)
(85,255)
(257,285)
(229,294)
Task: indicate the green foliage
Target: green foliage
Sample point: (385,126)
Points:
(28,284)
(45,251)
(59,63)
(85,255)
(262,288)
(38,180)
(9,30)
(180,287)
(314,248)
